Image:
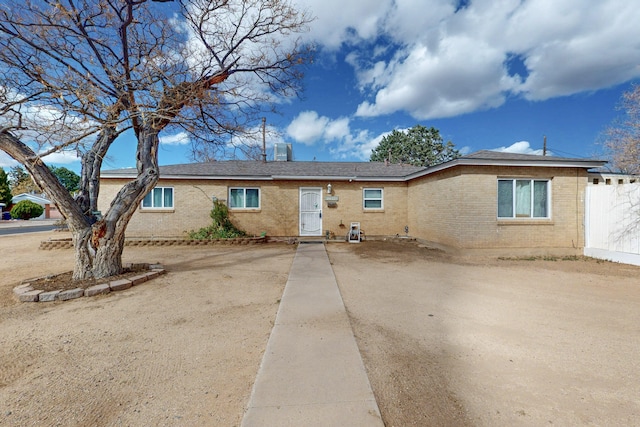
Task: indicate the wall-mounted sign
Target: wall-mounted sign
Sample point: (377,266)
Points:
(331,198)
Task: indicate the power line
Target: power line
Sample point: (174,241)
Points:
(566,153)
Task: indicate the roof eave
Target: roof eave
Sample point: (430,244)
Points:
(580,163)
(583,164)
(560,163)
(194,177)
(264,178)
(338,178)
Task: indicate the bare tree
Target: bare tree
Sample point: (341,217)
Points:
(76,74)
(251,144)
(622,138)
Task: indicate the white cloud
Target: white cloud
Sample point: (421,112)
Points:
(44,125)
(427,59)
(427,85)
(340,21)
(6,161)
(521,147)
(465,150)
(576,48)
(309,127)
(65,157)
(356,146)
(337,129)
(181,138)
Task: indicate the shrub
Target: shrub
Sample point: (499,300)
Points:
(222,227)
(26,209)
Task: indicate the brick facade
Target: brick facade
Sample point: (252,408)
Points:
(455,207)
(279,212)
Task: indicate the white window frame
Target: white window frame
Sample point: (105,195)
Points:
(365,199)
(152,207)
(244,198)
(514,209)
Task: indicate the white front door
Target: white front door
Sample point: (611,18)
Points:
(311,211)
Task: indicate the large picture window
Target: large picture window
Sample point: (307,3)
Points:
(159,198)
(244,198)
(372,198)
(523,198)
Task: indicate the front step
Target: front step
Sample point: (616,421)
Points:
(312,239)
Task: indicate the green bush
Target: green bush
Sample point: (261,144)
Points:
(222,227)
(26,209)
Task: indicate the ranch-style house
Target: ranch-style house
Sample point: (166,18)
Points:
(486,201)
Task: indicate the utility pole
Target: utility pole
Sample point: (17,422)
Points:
(264,140)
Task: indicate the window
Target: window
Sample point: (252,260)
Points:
(523,198)
(159,198)
(372,198)
(244,198)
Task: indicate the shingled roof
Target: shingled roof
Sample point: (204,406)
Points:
(498,158)
(257,170)
(356,171)
(500,155)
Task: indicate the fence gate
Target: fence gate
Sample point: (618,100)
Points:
(612,222)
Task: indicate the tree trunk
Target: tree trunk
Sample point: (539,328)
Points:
(83,253)
(89,186)
(99,248)
(108,258)
(96,255)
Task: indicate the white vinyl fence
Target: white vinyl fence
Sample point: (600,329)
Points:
(612,222)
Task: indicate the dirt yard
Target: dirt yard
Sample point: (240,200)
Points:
(446,341)
(493,343)
(181,350)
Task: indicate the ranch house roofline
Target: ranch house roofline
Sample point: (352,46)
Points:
(251,170)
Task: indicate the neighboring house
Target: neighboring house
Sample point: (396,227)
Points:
(486,200)
(50,210)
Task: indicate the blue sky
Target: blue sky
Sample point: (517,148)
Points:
(488,74)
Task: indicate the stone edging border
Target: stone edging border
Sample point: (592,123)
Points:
(26,293)
(68,244)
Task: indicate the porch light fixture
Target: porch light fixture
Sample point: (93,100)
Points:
(329,188)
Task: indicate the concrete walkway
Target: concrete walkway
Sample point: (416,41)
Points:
(311,373)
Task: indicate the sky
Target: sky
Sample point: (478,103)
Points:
(488,74)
